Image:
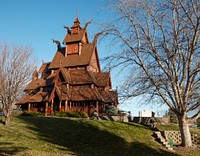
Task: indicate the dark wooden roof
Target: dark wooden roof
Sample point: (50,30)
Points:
(44,67)
(109,96)
(41,82)
(82,76)
(25,99)
(103,78)
(82,93)
(38,96)
(60,60)
(80,87)
(74,37)
(76,23)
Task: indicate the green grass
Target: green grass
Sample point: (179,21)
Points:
(50,136)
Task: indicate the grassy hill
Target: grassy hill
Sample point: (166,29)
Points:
(46,136)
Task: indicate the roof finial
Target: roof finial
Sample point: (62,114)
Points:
(96,37)
(58,43)
(76,12)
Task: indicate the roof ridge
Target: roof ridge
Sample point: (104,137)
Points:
(98,94)
(91,74)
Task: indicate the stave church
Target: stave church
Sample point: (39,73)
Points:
(73,80)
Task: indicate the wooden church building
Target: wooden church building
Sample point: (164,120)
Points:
(73,81)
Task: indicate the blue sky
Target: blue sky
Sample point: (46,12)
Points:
(36,22)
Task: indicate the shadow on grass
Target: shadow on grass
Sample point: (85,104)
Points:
(2,121)
(7,149)
(84,139)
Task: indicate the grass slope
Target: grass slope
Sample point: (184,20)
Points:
(46,136)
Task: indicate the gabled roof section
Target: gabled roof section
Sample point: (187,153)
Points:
(79,36)
(103,79)
(25,98)
(74,37)
(83,59)
(34,85)
(44,67)
(80,76)
(109,96)
(65,73)
(94,59)
(77,77)
(62,92)
(39,96)
(76,23)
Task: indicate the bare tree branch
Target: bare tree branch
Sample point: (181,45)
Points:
(16,67)
(161,40)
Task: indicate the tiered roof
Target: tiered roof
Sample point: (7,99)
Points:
(80,87)
(77,84)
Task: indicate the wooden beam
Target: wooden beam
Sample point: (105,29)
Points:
(97,106)
(51,106)
(60,105)
(70,105)
(46,108)
(29,107)
(66,105)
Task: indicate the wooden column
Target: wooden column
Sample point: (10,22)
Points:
(70,105)
(97,106)
(29,106)
(51,106)
(66,105)
(46,108)
(60,105)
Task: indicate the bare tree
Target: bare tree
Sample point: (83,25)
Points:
(158,44)
(16,66)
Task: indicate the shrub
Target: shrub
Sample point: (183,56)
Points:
(110,110)
(28,113)
(71,114)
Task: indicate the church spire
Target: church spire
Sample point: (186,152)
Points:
(76,26)
(76,12)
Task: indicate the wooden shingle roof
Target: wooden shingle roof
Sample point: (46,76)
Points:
(108,96)
(60,60)
(39,96)
(80,77)
(41,82)
(44,67)
(74,37)
(103,78)
(82,93)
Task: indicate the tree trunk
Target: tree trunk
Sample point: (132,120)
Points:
(185,131)
(7,120)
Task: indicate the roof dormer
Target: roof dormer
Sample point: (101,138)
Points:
(76,26)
